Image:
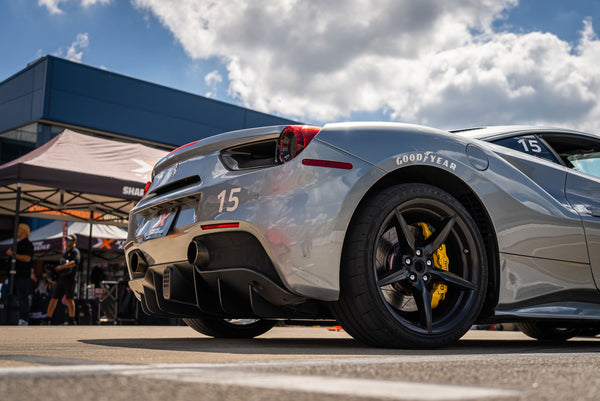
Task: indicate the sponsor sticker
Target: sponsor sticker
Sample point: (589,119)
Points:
(425,157)
(133,191)
(159,225)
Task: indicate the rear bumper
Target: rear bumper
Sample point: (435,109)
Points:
(236,279)
(227,293)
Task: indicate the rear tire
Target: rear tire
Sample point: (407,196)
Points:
(389,270)
(544,331)
(230,328)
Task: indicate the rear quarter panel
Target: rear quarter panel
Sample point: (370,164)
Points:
(540,237)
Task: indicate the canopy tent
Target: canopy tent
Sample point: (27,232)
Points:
(78,177)
(107,242)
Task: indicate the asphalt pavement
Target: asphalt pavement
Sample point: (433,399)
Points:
(169,363)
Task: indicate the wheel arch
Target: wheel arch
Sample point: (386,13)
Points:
(460,190)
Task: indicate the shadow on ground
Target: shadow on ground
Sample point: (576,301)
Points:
(320,346)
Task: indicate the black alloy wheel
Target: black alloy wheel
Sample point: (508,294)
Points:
(548,331)
(230,328)
(393,268)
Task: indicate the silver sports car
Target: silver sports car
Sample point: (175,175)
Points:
(405,235)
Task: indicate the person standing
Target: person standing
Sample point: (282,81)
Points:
(65,284)
(24,271)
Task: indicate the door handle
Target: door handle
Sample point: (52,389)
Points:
(594,211)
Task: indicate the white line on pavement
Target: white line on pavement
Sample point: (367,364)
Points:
(341,386)
(236,373)
(91,369)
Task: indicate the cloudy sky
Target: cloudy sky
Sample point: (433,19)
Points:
(443,63)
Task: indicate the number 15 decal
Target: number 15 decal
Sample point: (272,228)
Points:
(534,145)
(231,202)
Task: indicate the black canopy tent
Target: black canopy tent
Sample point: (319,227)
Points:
(77,177)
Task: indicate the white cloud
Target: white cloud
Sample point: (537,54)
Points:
(88,3)
(53,5)
(432,62)
(75,51)
(213,78)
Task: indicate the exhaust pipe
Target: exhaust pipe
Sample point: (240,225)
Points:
(138,263)
(198,254)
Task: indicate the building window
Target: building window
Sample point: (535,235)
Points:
(17,142)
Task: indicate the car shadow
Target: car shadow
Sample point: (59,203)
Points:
(341,346)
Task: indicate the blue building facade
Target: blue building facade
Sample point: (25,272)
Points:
(52,94)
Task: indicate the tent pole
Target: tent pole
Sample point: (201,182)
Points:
(13,261)
(89,261)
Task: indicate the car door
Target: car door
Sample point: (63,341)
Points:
(581,154)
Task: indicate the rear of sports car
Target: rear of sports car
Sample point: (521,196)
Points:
(242,228)
(405,235)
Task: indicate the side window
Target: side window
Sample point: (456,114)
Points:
(577,152)
(586,162)
(529,144)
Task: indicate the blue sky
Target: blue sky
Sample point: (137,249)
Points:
(444,63)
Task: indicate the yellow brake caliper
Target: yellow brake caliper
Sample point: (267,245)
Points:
(441,261)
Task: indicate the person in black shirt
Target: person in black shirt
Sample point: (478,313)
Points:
(65,284)
(24,271)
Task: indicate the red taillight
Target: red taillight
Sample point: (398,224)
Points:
(293,139)
(182,147)
(220,225)
(327,163)
(147,187)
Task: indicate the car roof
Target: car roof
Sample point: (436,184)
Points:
(497,132)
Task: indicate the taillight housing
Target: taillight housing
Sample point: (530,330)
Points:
(147,187)
(293,139)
